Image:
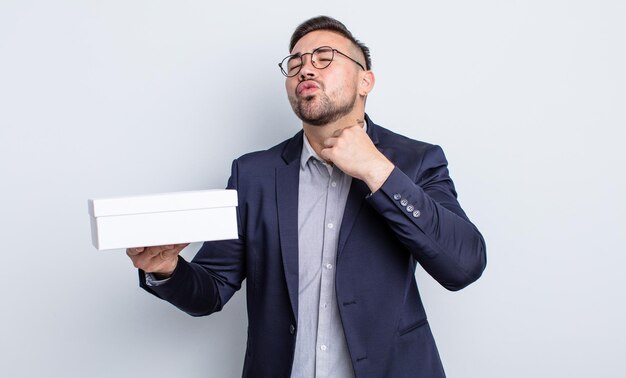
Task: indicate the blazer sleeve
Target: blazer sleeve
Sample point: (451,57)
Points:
(425,215)
(205,284)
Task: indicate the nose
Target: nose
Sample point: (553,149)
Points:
(307,70)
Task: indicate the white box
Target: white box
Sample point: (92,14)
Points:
(162,219)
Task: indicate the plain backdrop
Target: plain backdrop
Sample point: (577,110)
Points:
(109,98)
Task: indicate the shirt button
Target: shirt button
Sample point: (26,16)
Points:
(417,213)
(410,208)
(333,184)
(323,347)
(404,202)
(397,196)
(325,305)
(330,225)
(329,266)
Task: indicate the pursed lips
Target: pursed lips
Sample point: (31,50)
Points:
(306,86)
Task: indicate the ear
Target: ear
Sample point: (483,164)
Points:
(366,83)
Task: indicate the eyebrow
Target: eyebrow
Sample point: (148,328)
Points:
(298,54)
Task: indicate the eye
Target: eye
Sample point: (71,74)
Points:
(324,55)
(294,67)
(294,63)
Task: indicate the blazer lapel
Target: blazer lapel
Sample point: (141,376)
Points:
(356,196)
(287,182)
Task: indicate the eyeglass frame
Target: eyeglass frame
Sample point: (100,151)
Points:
(301,56)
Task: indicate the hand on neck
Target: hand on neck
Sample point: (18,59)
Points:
(316,135)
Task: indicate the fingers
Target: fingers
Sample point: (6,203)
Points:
(157,250)
(327,152)
(337,139)
(134,251)
(348,131)
(173,250)
(359,125)
(160,258)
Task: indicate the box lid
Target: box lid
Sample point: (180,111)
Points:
(151,203)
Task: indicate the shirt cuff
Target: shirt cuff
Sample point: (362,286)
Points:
(151,280)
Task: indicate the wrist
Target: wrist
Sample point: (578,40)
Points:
(378,174)
(165,271)
(162,276)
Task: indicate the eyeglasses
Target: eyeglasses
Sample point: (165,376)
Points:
(321,58)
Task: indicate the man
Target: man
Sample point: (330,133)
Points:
(332,224)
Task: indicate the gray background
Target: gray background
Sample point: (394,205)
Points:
(107,98)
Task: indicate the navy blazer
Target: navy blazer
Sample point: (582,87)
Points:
(413,218)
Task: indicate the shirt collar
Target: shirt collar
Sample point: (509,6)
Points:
(308,152)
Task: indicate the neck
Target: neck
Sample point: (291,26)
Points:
(316,135)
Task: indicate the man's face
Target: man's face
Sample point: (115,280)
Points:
(319,97)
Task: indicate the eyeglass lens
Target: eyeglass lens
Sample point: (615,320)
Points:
(320,59)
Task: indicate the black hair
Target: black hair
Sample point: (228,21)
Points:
(330,24)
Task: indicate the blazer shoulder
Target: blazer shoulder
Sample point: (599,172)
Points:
(273,156)
(390,140)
